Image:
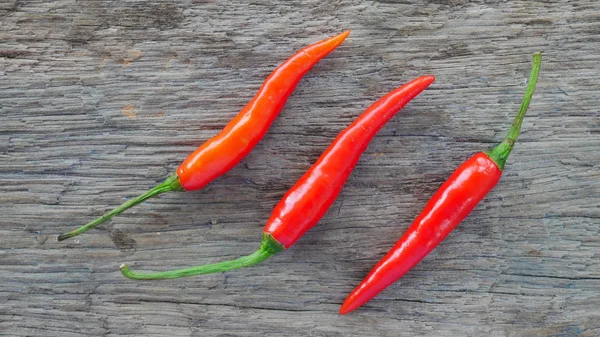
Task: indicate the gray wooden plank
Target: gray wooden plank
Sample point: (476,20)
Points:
(99,100)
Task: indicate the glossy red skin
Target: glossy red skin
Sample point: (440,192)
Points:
(454,200)
(222,152)
(308,200)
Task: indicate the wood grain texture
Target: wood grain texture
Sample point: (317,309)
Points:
(100,100)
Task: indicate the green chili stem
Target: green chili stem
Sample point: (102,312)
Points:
(170,184)
(500,153)
(269,246)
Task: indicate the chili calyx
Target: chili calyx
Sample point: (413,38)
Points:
(450,204)
(222,152)
(306,202)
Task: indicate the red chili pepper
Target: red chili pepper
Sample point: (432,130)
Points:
(307,201)
(455,199)
(222,152)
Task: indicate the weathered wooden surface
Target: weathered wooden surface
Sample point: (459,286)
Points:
(100,100)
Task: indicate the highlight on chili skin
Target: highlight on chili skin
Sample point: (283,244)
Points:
(453,201)
(306,202)
(221,153)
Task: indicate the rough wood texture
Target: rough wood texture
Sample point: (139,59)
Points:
(100,100)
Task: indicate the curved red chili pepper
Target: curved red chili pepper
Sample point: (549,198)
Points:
(454,200)
(221,153)
(307,201)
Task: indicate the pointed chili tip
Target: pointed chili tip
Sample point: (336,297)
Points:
(340,37)
(343,311)
(346,308)
(428,79)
